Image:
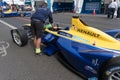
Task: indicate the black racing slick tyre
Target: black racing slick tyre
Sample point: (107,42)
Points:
(19,37)
(111,70)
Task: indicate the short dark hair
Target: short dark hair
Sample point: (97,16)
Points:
(44,4)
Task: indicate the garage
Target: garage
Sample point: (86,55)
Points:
(63,6)
(90,5)
(77,6)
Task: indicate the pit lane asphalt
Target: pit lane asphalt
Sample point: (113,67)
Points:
(21,64)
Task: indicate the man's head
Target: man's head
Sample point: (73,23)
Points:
(44,4)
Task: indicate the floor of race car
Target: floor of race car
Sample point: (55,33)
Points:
(63,61)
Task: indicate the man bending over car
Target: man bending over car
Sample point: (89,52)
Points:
(37,23)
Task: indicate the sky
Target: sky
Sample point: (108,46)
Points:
(15,2)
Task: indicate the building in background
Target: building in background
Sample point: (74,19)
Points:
(90,5)
(78,6)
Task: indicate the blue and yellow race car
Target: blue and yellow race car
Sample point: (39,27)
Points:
(11,13)
(90,52)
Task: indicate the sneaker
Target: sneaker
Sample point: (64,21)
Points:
(38,51)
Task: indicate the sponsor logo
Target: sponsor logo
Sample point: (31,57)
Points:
(81,39)
(88,68)
(65,34)
(88,33)
(95,62)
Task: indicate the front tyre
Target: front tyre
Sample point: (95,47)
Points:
(111,71)
(19,36)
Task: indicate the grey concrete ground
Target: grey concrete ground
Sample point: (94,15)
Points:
(19,63)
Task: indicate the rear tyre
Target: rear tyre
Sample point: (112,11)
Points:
(111,71)
(28,30)
(19,37)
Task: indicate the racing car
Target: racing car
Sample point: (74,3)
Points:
(88,51)
(10,13)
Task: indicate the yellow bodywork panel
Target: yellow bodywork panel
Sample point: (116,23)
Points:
(83,33)
(8,11)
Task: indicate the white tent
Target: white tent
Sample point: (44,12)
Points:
(19,2)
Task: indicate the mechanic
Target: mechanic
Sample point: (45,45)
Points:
(0,9)
(118,10)
(37,22)
(111,9)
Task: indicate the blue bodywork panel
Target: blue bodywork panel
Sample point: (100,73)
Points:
(89,56)
(113,32)
(50,49)
(76,53)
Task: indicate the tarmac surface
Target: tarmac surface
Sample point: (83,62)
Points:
(19,63)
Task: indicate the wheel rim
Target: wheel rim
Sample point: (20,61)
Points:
(16,38)
(115,75)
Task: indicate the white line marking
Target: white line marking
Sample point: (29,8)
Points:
(3,46)
(7,24)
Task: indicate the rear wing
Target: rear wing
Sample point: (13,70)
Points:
(77,23)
